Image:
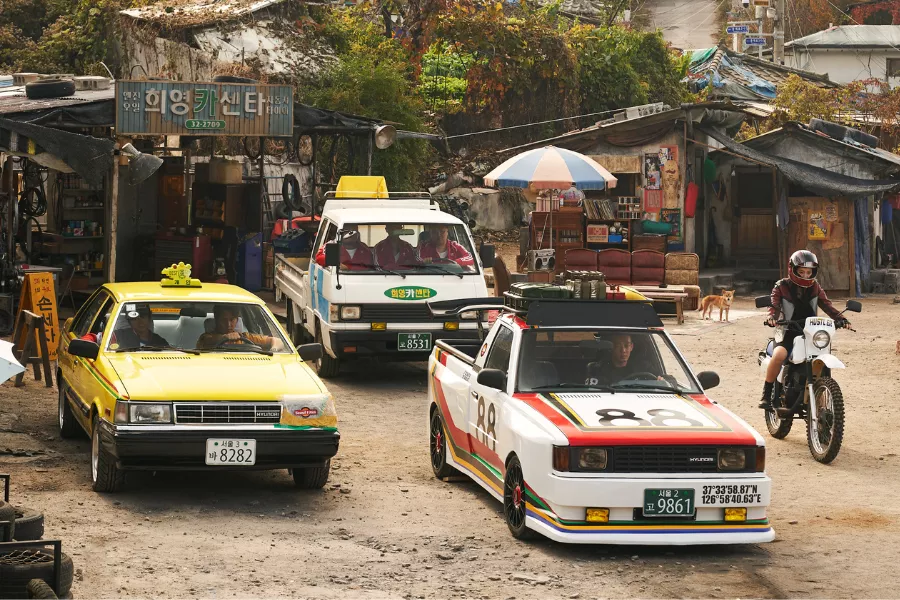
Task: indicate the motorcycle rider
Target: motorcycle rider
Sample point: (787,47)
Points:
(795,298)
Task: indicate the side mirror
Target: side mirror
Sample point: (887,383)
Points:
(486,253)
(332,254)
(84,349)
(763,301)
(310,352)
(708,379)
(492,378)
(854,306)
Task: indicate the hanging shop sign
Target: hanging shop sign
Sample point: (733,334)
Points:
(191,108)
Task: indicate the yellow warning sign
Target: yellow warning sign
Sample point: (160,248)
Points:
(39,296)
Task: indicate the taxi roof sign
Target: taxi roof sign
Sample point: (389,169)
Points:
(361,186)
(179,276)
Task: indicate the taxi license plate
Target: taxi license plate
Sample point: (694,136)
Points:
(413,342)
(230,452)
(669,503)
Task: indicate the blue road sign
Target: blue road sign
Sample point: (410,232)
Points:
(754,41)
(737,29)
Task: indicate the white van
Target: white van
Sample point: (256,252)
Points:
(375,264)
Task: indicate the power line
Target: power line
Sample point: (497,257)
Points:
(878,31)
(605,112)
(711,14)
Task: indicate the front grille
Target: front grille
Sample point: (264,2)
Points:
(664,459)
(393,313)
(219,413)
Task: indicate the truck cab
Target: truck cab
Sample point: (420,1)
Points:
(377,260)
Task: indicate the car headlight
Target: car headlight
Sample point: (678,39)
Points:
(150,413)
(732,459)
(469,315)
(821,339)
(592,459)
(349,313)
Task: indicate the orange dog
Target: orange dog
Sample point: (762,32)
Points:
(723,302)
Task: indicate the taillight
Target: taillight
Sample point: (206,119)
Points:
(560,458)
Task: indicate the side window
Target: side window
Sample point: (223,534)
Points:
(329,235)
(498,357)
(87,316)
(104,318)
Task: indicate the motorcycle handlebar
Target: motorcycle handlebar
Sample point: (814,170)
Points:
(787,323)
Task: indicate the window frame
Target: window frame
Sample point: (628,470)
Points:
(494,347)
(85,314)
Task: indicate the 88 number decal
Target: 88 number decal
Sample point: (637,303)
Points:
(486,427)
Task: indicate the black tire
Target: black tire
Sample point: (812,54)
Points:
(105,475)
(68,426)
(290,193)
(327,367)
(514,501)
(778,428)
(19,567)
(40,590)
(862,137)
(7,515)
(29,524)
(50,88)
(825,447)
(832,130)
(438,446)
(312,478)
(233,79)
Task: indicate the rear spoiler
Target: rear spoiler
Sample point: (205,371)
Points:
(447,308)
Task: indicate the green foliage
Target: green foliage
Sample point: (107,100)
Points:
(443,78)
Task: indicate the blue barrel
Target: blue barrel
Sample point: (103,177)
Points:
(250,263)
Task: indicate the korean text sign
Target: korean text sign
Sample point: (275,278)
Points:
(190,108)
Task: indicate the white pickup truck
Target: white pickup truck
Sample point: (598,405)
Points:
(584,419)
(375,264)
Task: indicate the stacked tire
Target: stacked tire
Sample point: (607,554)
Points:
(28,573)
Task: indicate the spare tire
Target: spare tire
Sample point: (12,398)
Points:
(7,515)
(29,524)
(40,590)
(18,567)
(233,79)
(49,88)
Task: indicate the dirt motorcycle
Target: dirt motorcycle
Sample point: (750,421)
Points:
(804,377)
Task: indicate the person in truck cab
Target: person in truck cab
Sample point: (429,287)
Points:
(440,249)
(224,333)
(620,365)
(393,252)
(355,255)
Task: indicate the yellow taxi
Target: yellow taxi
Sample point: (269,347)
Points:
(183,375)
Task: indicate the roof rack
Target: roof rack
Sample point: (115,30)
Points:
(367,195)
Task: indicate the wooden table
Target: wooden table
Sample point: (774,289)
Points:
(674,294)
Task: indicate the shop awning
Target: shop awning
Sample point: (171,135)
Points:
(814,179)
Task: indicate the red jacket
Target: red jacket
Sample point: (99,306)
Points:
(361,259)
(455,252)
(384,254)
(784,298)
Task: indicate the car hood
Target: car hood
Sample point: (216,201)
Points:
(641,418)
(213,377)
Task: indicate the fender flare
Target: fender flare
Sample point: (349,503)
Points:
(832,362)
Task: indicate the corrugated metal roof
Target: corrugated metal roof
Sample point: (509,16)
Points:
(852,147)
(851,36)
(186,14)
(13,99)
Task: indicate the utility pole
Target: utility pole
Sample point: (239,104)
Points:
(778,42)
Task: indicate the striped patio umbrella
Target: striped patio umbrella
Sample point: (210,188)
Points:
(551,168)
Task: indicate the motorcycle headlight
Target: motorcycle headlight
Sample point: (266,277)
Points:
(150,413)
(349,313)
(821,339)
(732,459)
(592,459)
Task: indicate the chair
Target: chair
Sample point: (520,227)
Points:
(501,277)
(648,267)
(580,259)
(683,268)
(616,265)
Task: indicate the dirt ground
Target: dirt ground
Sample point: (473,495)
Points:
(385,528)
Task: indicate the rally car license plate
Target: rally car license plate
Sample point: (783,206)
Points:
(669,503)
(230,452)
(413,342)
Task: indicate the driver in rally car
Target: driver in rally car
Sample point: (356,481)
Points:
(226,318)
(620,364)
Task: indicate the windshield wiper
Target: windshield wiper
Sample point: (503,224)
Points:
(160,349)
(239,348)
(434,266)
(650,388)
(584,386)
(380,268)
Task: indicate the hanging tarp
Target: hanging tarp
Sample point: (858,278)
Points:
(815,179)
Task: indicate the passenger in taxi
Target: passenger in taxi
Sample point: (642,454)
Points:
(139,333)
(224,334)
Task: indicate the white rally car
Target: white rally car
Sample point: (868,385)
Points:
(585,447)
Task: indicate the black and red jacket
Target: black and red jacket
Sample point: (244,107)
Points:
(786,294)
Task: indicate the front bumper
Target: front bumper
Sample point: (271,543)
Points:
(183,447)
(384,343)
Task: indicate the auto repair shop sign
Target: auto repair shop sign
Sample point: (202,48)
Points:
(190,108)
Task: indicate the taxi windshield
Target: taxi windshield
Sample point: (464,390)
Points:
(194,327)
(407,248)
(607,360)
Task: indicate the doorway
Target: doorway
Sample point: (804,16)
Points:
(753,238)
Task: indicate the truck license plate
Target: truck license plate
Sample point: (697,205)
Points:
(230,452)
(668,503)
(413,342)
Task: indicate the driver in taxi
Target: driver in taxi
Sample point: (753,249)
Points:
(620,364)
(224,334)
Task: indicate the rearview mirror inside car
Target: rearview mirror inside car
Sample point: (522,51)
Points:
(763,301)
(492,378)
(193,311)
(708,379)
(84,349)
(310,352)
(332,254)
(854,306)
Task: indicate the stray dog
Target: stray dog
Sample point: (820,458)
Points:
(723,302)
